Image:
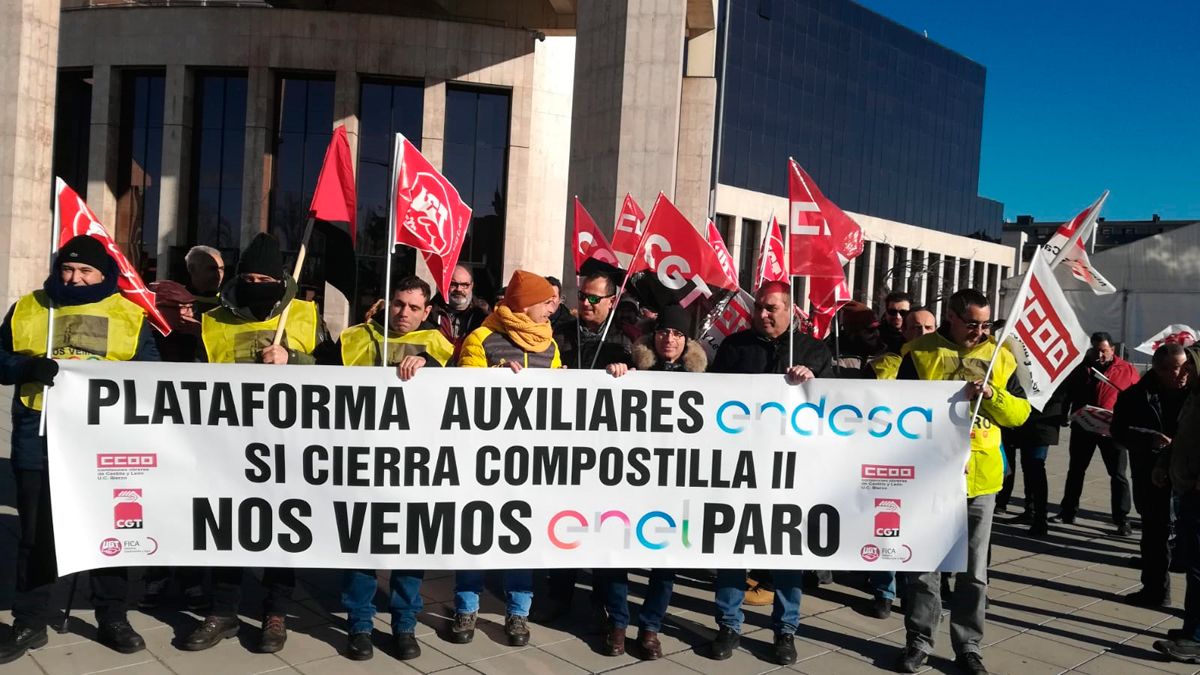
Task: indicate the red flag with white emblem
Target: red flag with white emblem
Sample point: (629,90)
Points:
(822,237)
(770,257)
(74,218)
(430,216)
(713,236)
(827,295)
(627,233)
(589,242)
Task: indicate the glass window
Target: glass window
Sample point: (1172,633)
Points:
(72,128)
(305,124)
(385,108)
(476,162)
(139,168)
(218,148)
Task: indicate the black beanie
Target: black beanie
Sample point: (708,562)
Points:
(262,256)
(674,316)
(86,250)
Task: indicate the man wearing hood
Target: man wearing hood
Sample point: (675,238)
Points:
(413,343)
(92,321)
(517,335)
(242,330)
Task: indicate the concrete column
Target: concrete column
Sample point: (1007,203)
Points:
(257,159)
(104,138)
(174,182)
(345,108)
(697,119)
(625,113)
(29,59)
(869,259)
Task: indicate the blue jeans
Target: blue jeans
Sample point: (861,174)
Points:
(518,591)
(731,590)
(358,597)
(883,585)
(615,584)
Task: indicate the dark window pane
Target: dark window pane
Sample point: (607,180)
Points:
(218,150)
(305,117)
(139,161)
(72,128)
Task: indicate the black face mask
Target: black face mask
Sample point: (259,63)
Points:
(259,298)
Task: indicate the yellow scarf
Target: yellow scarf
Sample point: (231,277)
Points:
(524,332)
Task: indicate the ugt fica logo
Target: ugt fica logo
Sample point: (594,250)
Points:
(887,517)
(127,509)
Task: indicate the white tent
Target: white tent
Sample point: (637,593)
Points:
(1157,281)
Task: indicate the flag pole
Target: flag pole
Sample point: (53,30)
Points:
(308,228)
(787,254)
(55,227)
(391,249)
(621,291)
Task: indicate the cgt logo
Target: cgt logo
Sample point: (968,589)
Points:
(887,517)
(127,460)
(817,419)
(127,509)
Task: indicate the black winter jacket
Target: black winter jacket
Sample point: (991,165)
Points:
(748,352)
(1146,405)
(1042,427)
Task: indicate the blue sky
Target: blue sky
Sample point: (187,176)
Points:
(1082,96)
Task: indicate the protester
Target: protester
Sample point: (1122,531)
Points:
(896,307)
(461,314)
(580,337)
(413,343)
(917,322)
(764,348)
(562,313)
(242,330)
(1031,442)
(517,335)
(857,343)
(668,349)
(91,321)
(960,351)
(1096,382)
(1145,420)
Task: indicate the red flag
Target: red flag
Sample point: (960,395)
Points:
(430,216)
(627,233)
(589,242)
(74,218)
(819,229)
(827,295)
(770,257)
(713,236)
(333,201)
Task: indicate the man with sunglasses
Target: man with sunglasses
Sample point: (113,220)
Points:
(896,307)
(580,340)
(961,350)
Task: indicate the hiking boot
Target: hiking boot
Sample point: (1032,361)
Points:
(614,641)
(462,631)
(359,647)
(119,636)
(274,634)
(724,643)
(971,663)
(516,629)
(757,594)
(648,645)
(910,660)
(878,608)
(1124,530)
(20,640)
(211,632)
(784,650)
(407,647)
(1187,651)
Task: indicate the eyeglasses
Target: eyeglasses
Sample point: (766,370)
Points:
(461,284)
(664,333)
(898,312)
(592,299)
(974,325)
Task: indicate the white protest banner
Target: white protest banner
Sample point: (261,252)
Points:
(1178,333)
(1094,419)
(253,465)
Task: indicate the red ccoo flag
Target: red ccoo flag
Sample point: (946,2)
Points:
(333,212)
(73,218)
(818,229)
(430,216)
(627,233)
(589,243)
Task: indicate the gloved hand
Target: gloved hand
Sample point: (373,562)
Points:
(43,370)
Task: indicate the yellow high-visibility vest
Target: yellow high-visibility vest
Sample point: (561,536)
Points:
(231,339)
(361,345)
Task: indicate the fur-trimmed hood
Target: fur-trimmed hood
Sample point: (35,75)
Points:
(694,360)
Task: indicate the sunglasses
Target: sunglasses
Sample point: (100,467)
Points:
(665,333)
(975,325)
(898,312)
(592,299)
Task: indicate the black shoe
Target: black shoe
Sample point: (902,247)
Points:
(211,632)
(878,608)
(359,647)
(1000,509)
(910,660)
(971,663)
(724,643)
(20,640)
(274,634)
(1187,651)
(1146,598)
(1124,530)
(1023,518)
(462,631)
(407,647)
(1064,517)
(119,636)
(1039,529)
(516,629)
(785,649)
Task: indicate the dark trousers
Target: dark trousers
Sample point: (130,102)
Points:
(1116,461)
(37,567)
(560,585)
(1154,504)
(1033,469)
(227,590)
(1188,548)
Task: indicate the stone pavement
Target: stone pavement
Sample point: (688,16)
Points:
(1054,609)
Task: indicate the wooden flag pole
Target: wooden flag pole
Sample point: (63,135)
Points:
(308,228)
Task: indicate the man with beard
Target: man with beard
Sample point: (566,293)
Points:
(1145,420)
(896,307)
(461,314)
(1097,381)
(242,330)
(91,321)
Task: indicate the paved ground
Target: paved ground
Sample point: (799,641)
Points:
(1054,609)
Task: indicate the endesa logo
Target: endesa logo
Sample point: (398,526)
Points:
(887,517)
(821,418)
(127,460)
(127,509)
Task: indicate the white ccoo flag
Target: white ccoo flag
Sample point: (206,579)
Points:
(1067,246)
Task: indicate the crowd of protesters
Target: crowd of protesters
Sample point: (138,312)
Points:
(1154,436)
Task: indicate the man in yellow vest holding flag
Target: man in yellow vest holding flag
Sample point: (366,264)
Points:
(413,343)
(961,350)
(91,321)
(242,330)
